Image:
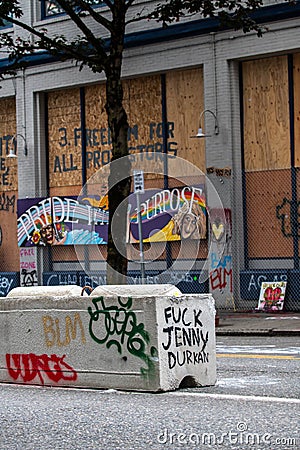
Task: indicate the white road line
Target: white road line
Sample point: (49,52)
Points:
(258,349)
(252,398)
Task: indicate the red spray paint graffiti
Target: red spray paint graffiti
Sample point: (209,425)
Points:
(220,278)
(29,366)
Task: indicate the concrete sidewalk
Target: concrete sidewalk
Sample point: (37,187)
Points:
(257,323)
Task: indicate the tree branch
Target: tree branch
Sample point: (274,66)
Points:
(68,8)
(94,14)
(55,45)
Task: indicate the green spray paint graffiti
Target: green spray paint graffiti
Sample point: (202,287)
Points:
(117,326)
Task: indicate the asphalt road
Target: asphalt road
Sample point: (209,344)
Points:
(255,405)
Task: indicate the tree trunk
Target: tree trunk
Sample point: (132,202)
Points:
(120,170)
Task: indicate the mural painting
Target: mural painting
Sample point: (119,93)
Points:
(170,215)
(177,213)
(60,221)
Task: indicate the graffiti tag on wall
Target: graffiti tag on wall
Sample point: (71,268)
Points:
(7,282)
(288,213)
(185,340)
(220,275)
(117,326)
(28,367)
(7,203)
(97,139)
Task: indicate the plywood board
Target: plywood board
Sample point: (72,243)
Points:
(98,143)
(9,252)
(8,166)
(65,191)
(269,214)
(65,158)
(296,76)
(143,103)
(184,106)
(266,114)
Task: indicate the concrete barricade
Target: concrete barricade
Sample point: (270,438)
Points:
(151,339)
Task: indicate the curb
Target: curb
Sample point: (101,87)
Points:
(273,332)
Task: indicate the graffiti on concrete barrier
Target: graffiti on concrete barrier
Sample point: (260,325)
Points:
(54,330)
(28,367)
(117,326)
(185,341)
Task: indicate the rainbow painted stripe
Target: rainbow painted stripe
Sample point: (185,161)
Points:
(155,208)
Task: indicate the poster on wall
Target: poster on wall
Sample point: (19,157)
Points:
(28,267)
(272,296)
(167,215)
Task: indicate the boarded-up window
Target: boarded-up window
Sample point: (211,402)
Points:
(9,253)
(64,130)
(266,155)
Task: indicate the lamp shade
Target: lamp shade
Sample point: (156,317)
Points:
(11,154)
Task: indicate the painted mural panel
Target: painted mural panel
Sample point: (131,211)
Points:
(60,221)
(64,131)
(266,114)
(170,215)
(167,215)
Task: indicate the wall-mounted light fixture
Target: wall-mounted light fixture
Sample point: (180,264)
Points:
(14,141)
(200,133)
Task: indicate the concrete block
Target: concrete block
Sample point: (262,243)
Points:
(150,343)
(136,290)
(40,291)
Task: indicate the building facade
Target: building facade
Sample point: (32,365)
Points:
(243,90)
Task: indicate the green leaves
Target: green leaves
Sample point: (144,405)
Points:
(235,14)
